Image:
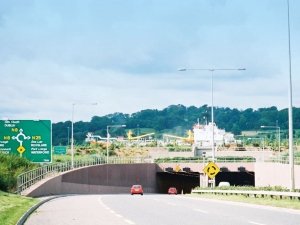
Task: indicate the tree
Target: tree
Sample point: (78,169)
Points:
(179,118)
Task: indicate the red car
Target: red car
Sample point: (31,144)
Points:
(136,189)
(172,191)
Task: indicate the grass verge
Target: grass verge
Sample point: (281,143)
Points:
(12,207)
(268,201)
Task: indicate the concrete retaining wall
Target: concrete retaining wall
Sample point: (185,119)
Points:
(100,179)
(275,174)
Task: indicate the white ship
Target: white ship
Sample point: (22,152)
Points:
(203,138)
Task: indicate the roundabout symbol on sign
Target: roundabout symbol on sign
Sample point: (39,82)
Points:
(211,170)
(20,137)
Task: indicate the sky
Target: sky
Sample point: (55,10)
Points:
(57,57)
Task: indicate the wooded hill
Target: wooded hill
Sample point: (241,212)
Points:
(176,119)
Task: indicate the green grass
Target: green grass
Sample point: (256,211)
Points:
(12,207)
(268,201)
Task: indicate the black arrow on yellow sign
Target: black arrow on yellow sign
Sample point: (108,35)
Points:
(211,170)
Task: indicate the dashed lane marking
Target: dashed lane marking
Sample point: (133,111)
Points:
(201,210)
(255,223)
(172,204)
(113,212)
(129,221)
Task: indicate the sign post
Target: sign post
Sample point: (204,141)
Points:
(30,139)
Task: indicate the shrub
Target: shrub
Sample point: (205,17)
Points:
(10,167)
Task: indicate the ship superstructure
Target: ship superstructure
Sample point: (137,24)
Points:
(203,138)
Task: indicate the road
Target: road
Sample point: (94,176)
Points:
(156,210)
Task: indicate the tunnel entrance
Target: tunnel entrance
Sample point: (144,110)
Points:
(236,178)
(185,182)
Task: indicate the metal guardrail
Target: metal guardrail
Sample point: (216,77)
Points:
(205,160)
(291,195)
(283,160)
(29,178)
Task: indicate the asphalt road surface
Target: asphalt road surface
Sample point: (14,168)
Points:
(156,210)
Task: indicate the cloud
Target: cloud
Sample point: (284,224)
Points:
(125,54)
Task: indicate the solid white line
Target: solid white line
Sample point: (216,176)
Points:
(202,211)
(252,222)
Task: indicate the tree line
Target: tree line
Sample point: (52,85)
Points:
(176,119)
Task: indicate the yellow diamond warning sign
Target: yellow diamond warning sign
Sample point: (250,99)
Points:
(21,149)
(211,170)
(177,168)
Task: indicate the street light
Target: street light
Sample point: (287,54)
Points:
(107,138)
(278,135)
(212,100)
(68,136)
(291,149)
(72,130)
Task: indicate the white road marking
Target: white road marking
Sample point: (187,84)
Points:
(129,221)
(201,210)
(173,204)
(113,212)
(101,203)
(255,223)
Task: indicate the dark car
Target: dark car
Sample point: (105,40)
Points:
(136,189)
(172,191)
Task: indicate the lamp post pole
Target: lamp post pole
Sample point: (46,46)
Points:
(72,131)
(72,137)
(291,149)
(279,139)
(107,142)
(68,137)
(212,117)
(212,101)
(107,138)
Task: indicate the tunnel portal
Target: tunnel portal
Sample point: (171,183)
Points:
(185,182)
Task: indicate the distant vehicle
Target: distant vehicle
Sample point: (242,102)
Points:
(224,184)
(172,191)
(136,189)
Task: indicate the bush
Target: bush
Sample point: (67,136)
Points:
(10,167)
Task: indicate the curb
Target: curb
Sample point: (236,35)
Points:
(25,216)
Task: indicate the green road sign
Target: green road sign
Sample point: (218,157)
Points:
(28,138)
(60,150)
